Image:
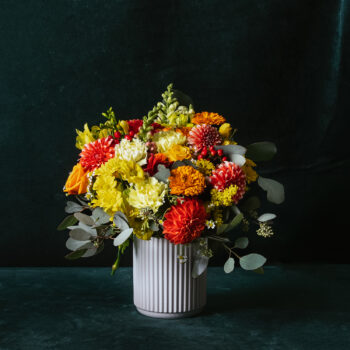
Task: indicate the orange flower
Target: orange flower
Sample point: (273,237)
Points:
(77,181)
(185,180)
(208,118)
(184,130)
(178,152)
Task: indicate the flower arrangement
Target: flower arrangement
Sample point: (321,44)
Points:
(176,174)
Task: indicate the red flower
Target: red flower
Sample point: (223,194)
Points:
(202,136)
(134,125)
(154,160)
(96,153)
(156,128)
(184,222)
(227,174)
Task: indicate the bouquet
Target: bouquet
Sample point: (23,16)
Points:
(176,174)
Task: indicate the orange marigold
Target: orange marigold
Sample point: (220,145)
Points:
(208,118)
(185,180)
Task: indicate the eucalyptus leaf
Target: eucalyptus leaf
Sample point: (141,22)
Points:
(72,207)
(87,228)
(177,164)
(199,265)
(90,252)
(237,159)
(154,226)
(241,242)
(76,255)
(229,265)
(232,149)
(79,234)
(266,217)
(122,237)
(122,215)
(162,174)
(274,189)
(100,217)
(252,261)
(120,223)
(73,244)
(67,221)
(261,151)
(85,219)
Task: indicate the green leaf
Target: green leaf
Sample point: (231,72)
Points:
(72,207)
(162,174)
(85,219)
(259,270)
(229,227)
(261,151)
(120,222)
(73,244)
(199,266)
(232,149)
(122,237)
(229,265)
(100,217)
(67,221)
(241,243)
(76,255)
(275,190)
(79,234)
(266,217)
(252,261)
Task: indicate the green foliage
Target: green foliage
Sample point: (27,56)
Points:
(229,265)
(261,151)
(252,261)
(121,250)
(76,254)
(67,221)
(230,226)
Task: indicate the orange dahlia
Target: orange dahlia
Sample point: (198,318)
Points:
(96,153)
(184,222)
(208,118)
(227,174)
(202,136)
(185,180)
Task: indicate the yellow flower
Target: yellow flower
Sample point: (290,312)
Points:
(166,139)
(77,181)
(126,170)
(177,152)
(148,195)
(134,150)
(217,215)
(205,166)
(229,142)
(139,228)
(178,119)
(225,130)
(185,180)
(250,173)
(224,197)
(99,133)
(208,118)
(84,137)
(108,194)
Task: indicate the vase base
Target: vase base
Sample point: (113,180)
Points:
(168,315)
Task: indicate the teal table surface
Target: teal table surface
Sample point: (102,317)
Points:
(289,307)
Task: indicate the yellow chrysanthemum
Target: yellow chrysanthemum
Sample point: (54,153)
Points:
(224,197)
(208,118)
(84,137)
(149,194)
(126,170)
(139,228)
(205,166)
(166,139)
(225,130)
(185,180)
(250,173)
(108,194)
(178,152)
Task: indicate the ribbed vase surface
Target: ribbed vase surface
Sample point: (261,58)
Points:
(164,286)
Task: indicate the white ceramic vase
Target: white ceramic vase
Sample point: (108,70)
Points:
(164,286)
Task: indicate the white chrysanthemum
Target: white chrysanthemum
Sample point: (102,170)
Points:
(165,139)
(148,195)
(134,150)
(210,224)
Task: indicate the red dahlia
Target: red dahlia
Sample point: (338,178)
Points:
(227,174)
(184,222)
(154,160)
(96,153)
(202,136)
(134,125)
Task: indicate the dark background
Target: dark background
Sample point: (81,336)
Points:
(278,70)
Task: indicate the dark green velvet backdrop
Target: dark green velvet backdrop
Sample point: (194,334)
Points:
(278,70)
